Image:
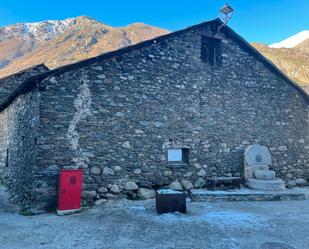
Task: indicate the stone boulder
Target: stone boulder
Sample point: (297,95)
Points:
(89,194)
(100,202)
(114,189)
(102,190)
(175,185)
(145,193)
(95,170)
(130,186)
(291,184)
(301,182)
(187,185)
(200,183)
(201,172)
(108,171)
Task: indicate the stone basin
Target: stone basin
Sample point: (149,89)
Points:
(264,174)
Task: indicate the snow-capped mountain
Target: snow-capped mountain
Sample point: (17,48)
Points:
(292,41)
(41,31)
(56,43)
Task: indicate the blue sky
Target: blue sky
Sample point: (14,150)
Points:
(257,20)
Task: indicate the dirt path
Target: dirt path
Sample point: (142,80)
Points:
(230,225)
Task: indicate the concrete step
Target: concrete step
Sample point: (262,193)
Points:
(271,185)
(246,195)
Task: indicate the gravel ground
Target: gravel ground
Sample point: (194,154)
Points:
(135,224)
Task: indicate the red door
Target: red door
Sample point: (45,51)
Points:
(70,188)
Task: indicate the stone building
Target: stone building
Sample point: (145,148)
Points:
(10,83)
(183,106)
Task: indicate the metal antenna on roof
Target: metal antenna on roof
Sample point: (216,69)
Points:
(226,15)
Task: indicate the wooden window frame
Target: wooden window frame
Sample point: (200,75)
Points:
(211,51)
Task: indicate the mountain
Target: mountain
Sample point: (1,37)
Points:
(291,56)
(57,43)
(292,41)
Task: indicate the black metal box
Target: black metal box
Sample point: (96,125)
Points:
(171,202)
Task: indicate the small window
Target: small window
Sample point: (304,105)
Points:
(211,51)
(178,155)
(174,155)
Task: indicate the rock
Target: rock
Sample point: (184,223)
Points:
(108,171)
(200,183)
(137,171)
(126,145)
(168,173)
(282,148)
(176,185)
(102,190)
(110,196)
(130,186)
(101,76)
(145,184)
(201,172)
(95,170)
(264,174)
(145,193)
(115,189)
(301,182)
(159,181)
(99,68)
(291,184)
(100,202)
(119,114)
(117,168)
(89,194)
(188,174)
(187,185)
(197,166)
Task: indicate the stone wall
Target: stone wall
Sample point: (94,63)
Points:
(10,83)
(18,135)
(116,118)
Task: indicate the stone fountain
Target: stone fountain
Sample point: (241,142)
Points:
(257,173)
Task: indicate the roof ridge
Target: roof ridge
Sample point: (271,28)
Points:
(25,70)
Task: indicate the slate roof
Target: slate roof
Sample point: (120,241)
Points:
(31,82)
(9,83)
(27,70)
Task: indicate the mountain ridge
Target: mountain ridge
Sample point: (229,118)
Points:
(292,41)
(294,62)
(51,43)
